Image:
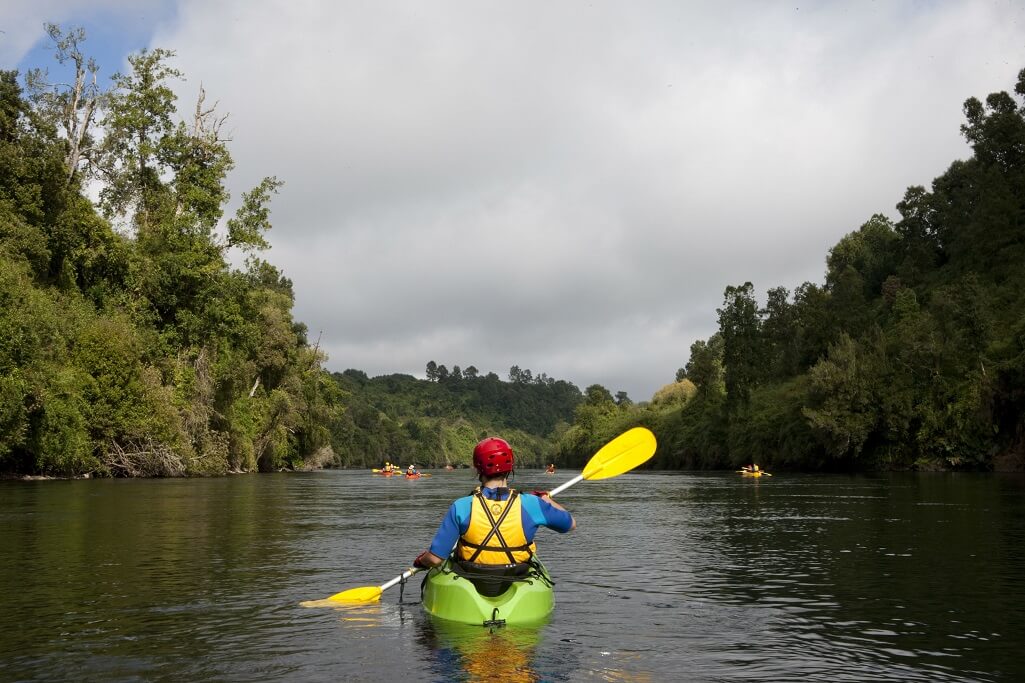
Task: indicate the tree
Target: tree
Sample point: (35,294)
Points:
(870,251)
(137,128)
(597,395)
(816,326)
(919,247)
(622,399)
(246,230)
(198,157)
(743,356)
(470,372)
(843,408)
(432,371)
(705,367)
(73,107)
(675,395)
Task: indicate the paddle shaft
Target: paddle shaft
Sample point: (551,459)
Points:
(401,577)
(562,487)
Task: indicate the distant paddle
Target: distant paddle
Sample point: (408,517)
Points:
(627,451)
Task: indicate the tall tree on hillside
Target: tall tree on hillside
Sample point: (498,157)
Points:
(739,327)
(779,323)
(597,395)
(72,108)
(137,128)
(705,366)
(919,248)
(981,201)
(816,326)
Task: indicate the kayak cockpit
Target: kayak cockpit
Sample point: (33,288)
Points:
(508,594)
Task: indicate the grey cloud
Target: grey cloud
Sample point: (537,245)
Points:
(569,186)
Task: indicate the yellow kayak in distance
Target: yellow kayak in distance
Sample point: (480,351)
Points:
(756,473)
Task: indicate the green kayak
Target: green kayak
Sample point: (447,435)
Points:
(449,593)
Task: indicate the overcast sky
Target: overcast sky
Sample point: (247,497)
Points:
(563,186)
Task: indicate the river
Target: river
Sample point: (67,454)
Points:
(669,577)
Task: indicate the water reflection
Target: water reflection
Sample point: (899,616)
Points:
(474,653)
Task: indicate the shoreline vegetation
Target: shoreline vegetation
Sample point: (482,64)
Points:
(130,346)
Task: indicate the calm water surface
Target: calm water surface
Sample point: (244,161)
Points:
(670,577)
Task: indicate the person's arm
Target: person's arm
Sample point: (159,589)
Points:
(558,519)
(443,542)
(427,559)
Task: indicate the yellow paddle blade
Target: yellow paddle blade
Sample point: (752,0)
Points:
(363,594)
(628,450)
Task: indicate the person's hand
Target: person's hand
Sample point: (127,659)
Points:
(419,562)
(540,494)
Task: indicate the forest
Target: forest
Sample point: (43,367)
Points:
(129,346)
(910,354)
(144,333)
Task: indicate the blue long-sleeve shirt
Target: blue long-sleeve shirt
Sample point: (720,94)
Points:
(535,513)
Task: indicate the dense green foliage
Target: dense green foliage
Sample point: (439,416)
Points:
(910,355)
(437,421)
(140,351)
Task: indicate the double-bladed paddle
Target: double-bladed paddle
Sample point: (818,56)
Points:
(628,450)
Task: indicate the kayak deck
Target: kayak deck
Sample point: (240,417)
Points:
(448,595)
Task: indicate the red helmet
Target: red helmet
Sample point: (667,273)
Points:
(493,456)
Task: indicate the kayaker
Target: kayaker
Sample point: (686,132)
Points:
(493,528)
(411,470)
(550,469)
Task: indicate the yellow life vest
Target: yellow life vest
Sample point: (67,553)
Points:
(495,534)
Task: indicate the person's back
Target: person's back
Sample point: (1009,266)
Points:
(490,533)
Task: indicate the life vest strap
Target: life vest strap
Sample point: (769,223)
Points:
(496,548)
(495,524)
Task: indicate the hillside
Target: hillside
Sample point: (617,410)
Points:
(437,422)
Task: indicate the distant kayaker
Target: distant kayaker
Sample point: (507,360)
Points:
(494,527)
(550,469)
(412,470)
